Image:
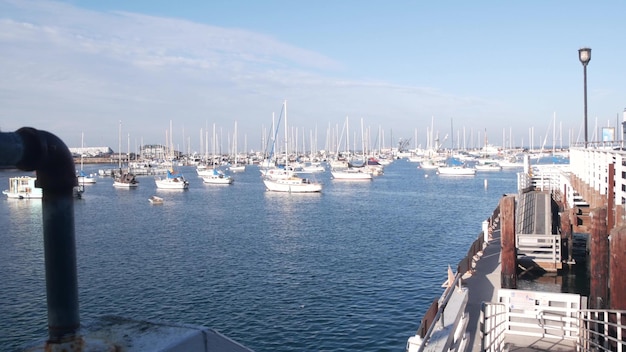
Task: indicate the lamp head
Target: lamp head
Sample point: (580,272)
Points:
(584,55)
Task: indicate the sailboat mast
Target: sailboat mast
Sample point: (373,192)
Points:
(128,153)
(347,138)
(119,146)
(82,151)
(286,133)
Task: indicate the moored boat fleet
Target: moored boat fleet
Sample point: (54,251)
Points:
(297,173)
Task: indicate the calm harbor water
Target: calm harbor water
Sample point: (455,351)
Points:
(352,268)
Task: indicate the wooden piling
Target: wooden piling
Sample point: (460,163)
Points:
(610,198)
(599,259)
(618,268)
(508,273)
(566,232)
(619,215)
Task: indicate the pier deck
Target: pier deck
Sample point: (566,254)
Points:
(483,286)
(533,215)
(533,219)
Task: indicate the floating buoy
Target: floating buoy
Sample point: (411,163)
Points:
(485,183)
(426,175)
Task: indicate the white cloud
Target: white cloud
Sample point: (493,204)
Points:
(70,70)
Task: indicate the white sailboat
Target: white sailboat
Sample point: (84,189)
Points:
(173,179)
(236,166)
(287,180)
(344,170)
(456,171)
(218,177)
(83,178)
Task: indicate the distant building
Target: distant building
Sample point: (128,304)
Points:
(91,151)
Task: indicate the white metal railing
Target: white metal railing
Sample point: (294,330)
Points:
(548,177)
(529,313)
(493,326)
(447,330)
(541,314)
(602,330)
(539,247)
(591,166)
(523,181)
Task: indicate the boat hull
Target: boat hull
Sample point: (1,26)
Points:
(351,175)
(23,187)
(456,171)
(172,184)
(292,186)
(226,180)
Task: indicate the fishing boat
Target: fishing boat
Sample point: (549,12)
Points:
(155,200)
(173,180)
(23,187)
(218,177)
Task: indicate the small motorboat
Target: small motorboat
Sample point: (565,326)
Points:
(155,200)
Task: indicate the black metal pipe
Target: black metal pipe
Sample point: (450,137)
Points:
(30,149)
(585,99)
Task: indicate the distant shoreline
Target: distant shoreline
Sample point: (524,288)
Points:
(94,161)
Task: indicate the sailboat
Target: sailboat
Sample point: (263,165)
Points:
(217,176)
(124,179)
(349,171)
(173,179)
(83,178)
(285,179)
(236,166)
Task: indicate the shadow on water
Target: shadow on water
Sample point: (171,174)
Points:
(573,278)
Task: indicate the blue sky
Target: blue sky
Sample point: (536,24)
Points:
(507,68)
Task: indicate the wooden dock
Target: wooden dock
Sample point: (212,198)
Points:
(587,197)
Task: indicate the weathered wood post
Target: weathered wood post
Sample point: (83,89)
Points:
(619,215)
(508,274)
(618,268)
(610,198)
(617,301)
(599,259)
(566,232)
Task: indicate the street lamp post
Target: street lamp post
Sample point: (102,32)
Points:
(584,55)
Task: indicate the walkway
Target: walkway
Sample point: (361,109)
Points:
(483,284)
